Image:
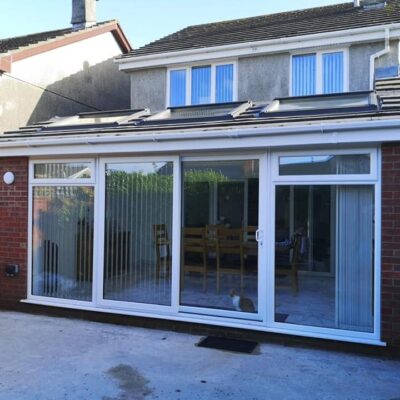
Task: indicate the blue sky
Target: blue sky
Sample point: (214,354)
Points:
(142,20)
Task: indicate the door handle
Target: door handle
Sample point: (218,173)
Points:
(259,236)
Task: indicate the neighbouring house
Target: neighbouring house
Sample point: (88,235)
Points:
(62,72)
(254,183)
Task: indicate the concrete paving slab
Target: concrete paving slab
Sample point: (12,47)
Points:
(47,358)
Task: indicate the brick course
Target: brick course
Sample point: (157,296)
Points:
(13,229)
(391,244)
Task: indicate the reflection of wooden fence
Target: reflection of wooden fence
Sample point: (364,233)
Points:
(50,267)
(117,254)
(84,251)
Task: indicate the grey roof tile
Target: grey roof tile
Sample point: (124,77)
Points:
(273,26)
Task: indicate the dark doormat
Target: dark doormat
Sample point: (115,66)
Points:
(280,317)
(220,343)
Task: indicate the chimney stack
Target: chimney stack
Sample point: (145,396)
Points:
(83,13)
(356,3)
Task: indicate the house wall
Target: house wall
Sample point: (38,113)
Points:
(359,59)
(263,77)
(391,244)
(149,89)
(78,77)
(13,230)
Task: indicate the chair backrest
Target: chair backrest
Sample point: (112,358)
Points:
(231,238)
(194,240)
(296,250)
(249,234)
(161,240)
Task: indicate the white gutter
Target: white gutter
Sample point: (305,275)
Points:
(324,39)
(375,56)
(185,136)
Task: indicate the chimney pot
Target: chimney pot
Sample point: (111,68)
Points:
(83,13)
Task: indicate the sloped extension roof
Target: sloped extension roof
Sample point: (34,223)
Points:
(273,26)
(179,123)
(21,47)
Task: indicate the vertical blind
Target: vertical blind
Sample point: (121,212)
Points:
(63,242)
(224,83)
(355,237)
(304,74)
(138,198)
(177,88)
(333,72)
(201,85)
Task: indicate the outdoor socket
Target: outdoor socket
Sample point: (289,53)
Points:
(12,270)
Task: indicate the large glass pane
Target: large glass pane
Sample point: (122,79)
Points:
(71,170)
(325,164)
(219,263)
(324,247)
(62,242)
(333,72)
(177,96)
(224,83)
(304,75)
(201,85)
(138,232)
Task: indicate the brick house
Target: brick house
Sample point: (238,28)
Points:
(253,184)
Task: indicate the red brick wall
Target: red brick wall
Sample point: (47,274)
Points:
(391,244)
(13,229)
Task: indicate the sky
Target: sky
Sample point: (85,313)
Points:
(143,21)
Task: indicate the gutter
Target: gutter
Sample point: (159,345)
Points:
(255,132)
(375,56)
(366,34)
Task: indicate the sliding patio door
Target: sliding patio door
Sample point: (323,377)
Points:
(219,272)
(137,257)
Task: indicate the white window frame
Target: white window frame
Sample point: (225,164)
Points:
(188,69)
(268,180)
(372,179)
(53,183)
(319,63)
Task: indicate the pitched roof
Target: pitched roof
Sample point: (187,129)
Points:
(15,43)
(16,48)
(273,26)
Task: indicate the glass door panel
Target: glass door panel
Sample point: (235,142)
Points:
(219,251)
(324,256)
(138,232)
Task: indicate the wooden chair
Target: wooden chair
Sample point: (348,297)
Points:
(291,270)
(194,242)
(229,242)
(250,242)
(163,250)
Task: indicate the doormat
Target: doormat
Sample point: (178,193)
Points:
(236,345)
(280,317)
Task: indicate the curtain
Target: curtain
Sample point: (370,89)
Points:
(355,235)
(304,74)
(177,95)
(224,83)
(333,72)
(201,85)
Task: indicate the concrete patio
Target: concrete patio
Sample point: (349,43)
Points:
(47,358)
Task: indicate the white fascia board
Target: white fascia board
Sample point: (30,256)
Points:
(235,139)
(320,40)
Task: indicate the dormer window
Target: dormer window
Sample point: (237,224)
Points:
(202,84)
(319,73)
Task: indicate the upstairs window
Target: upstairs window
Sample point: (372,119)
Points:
(203,84)
(319,73)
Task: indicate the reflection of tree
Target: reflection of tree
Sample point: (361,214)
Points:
(125,182)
